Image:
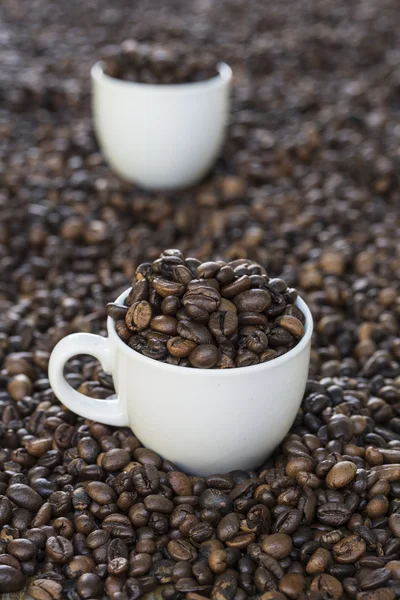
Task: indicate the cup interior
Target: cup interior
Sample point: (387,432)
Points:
(308,330)
(222,78)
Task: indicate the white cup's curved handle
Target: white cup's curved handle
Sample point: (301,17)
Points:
(110,412)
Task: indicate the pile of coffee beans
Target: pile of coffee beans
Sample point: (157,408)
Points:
(158,64)
(209,314)
(308,186)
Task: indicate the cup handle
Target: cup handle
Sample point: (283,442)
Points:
(110,412)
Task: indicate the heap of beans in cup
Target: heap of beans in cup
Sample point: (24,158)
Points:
(157,63)
(208,315)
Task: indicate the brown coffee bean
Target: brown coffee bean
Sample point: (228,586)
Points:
(116,311)
(122,331)
(341,474)
(327,585)
(165,288)
(377,507)
(217,561)
(59,549)
(157,503)
(394,524)
(182,550)
(101,492)
(139,292)
(45,589)
(384,593)
(25,497)
(115,459)
(204,356)
(11,579)
(228,527)
(238,286)
(180,347)
(318,562)
(138,316)
(349,549)
(164,324)
(277,545)
(78,565)
(293,325)
(292,585)
(89,585)
(195,332)
(252,301)
(22,549)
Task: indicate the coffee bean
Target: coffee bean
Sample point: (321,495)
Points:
(11,579)
(182,550)
(165,288)
(376,579)
(5,511)
(216,499)
(138,316)
(195,332)
(277,545)
(228,527)
(223,323)
(341,474)
(22,549)
(45,589)
(117,311)
(157,503)
(204,356)
(115,459)
(100,492)
(333,513)
(293,325)
(89,585)
(24,496)
(292,585)
(327,585)
(349,549)
(238,286)
(59,549)
(180,347)
(252,301)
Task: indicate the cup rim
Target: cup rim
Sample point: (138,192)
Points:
(234,372)
(222,78)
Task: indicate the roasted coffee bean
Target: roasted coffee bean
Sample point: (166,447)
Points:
(180,347)
(59,549)
(349,549)
(277,545)
(45,589)
(341,474)
(11,579)
(223,323)
(24,496)
(22,549)
(117,311)
(181,550)
(89,585)
(204,356)
(252,301)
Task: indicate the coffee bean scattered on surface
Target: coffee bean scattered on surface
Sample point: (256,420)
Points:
(307,186)
(158,63)
(214,314)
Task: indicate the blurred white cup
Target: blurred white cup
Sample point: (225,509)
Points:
(161,136)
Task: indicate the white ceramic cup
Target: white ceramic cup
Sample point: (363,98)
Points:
(161,136)
(205,421)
